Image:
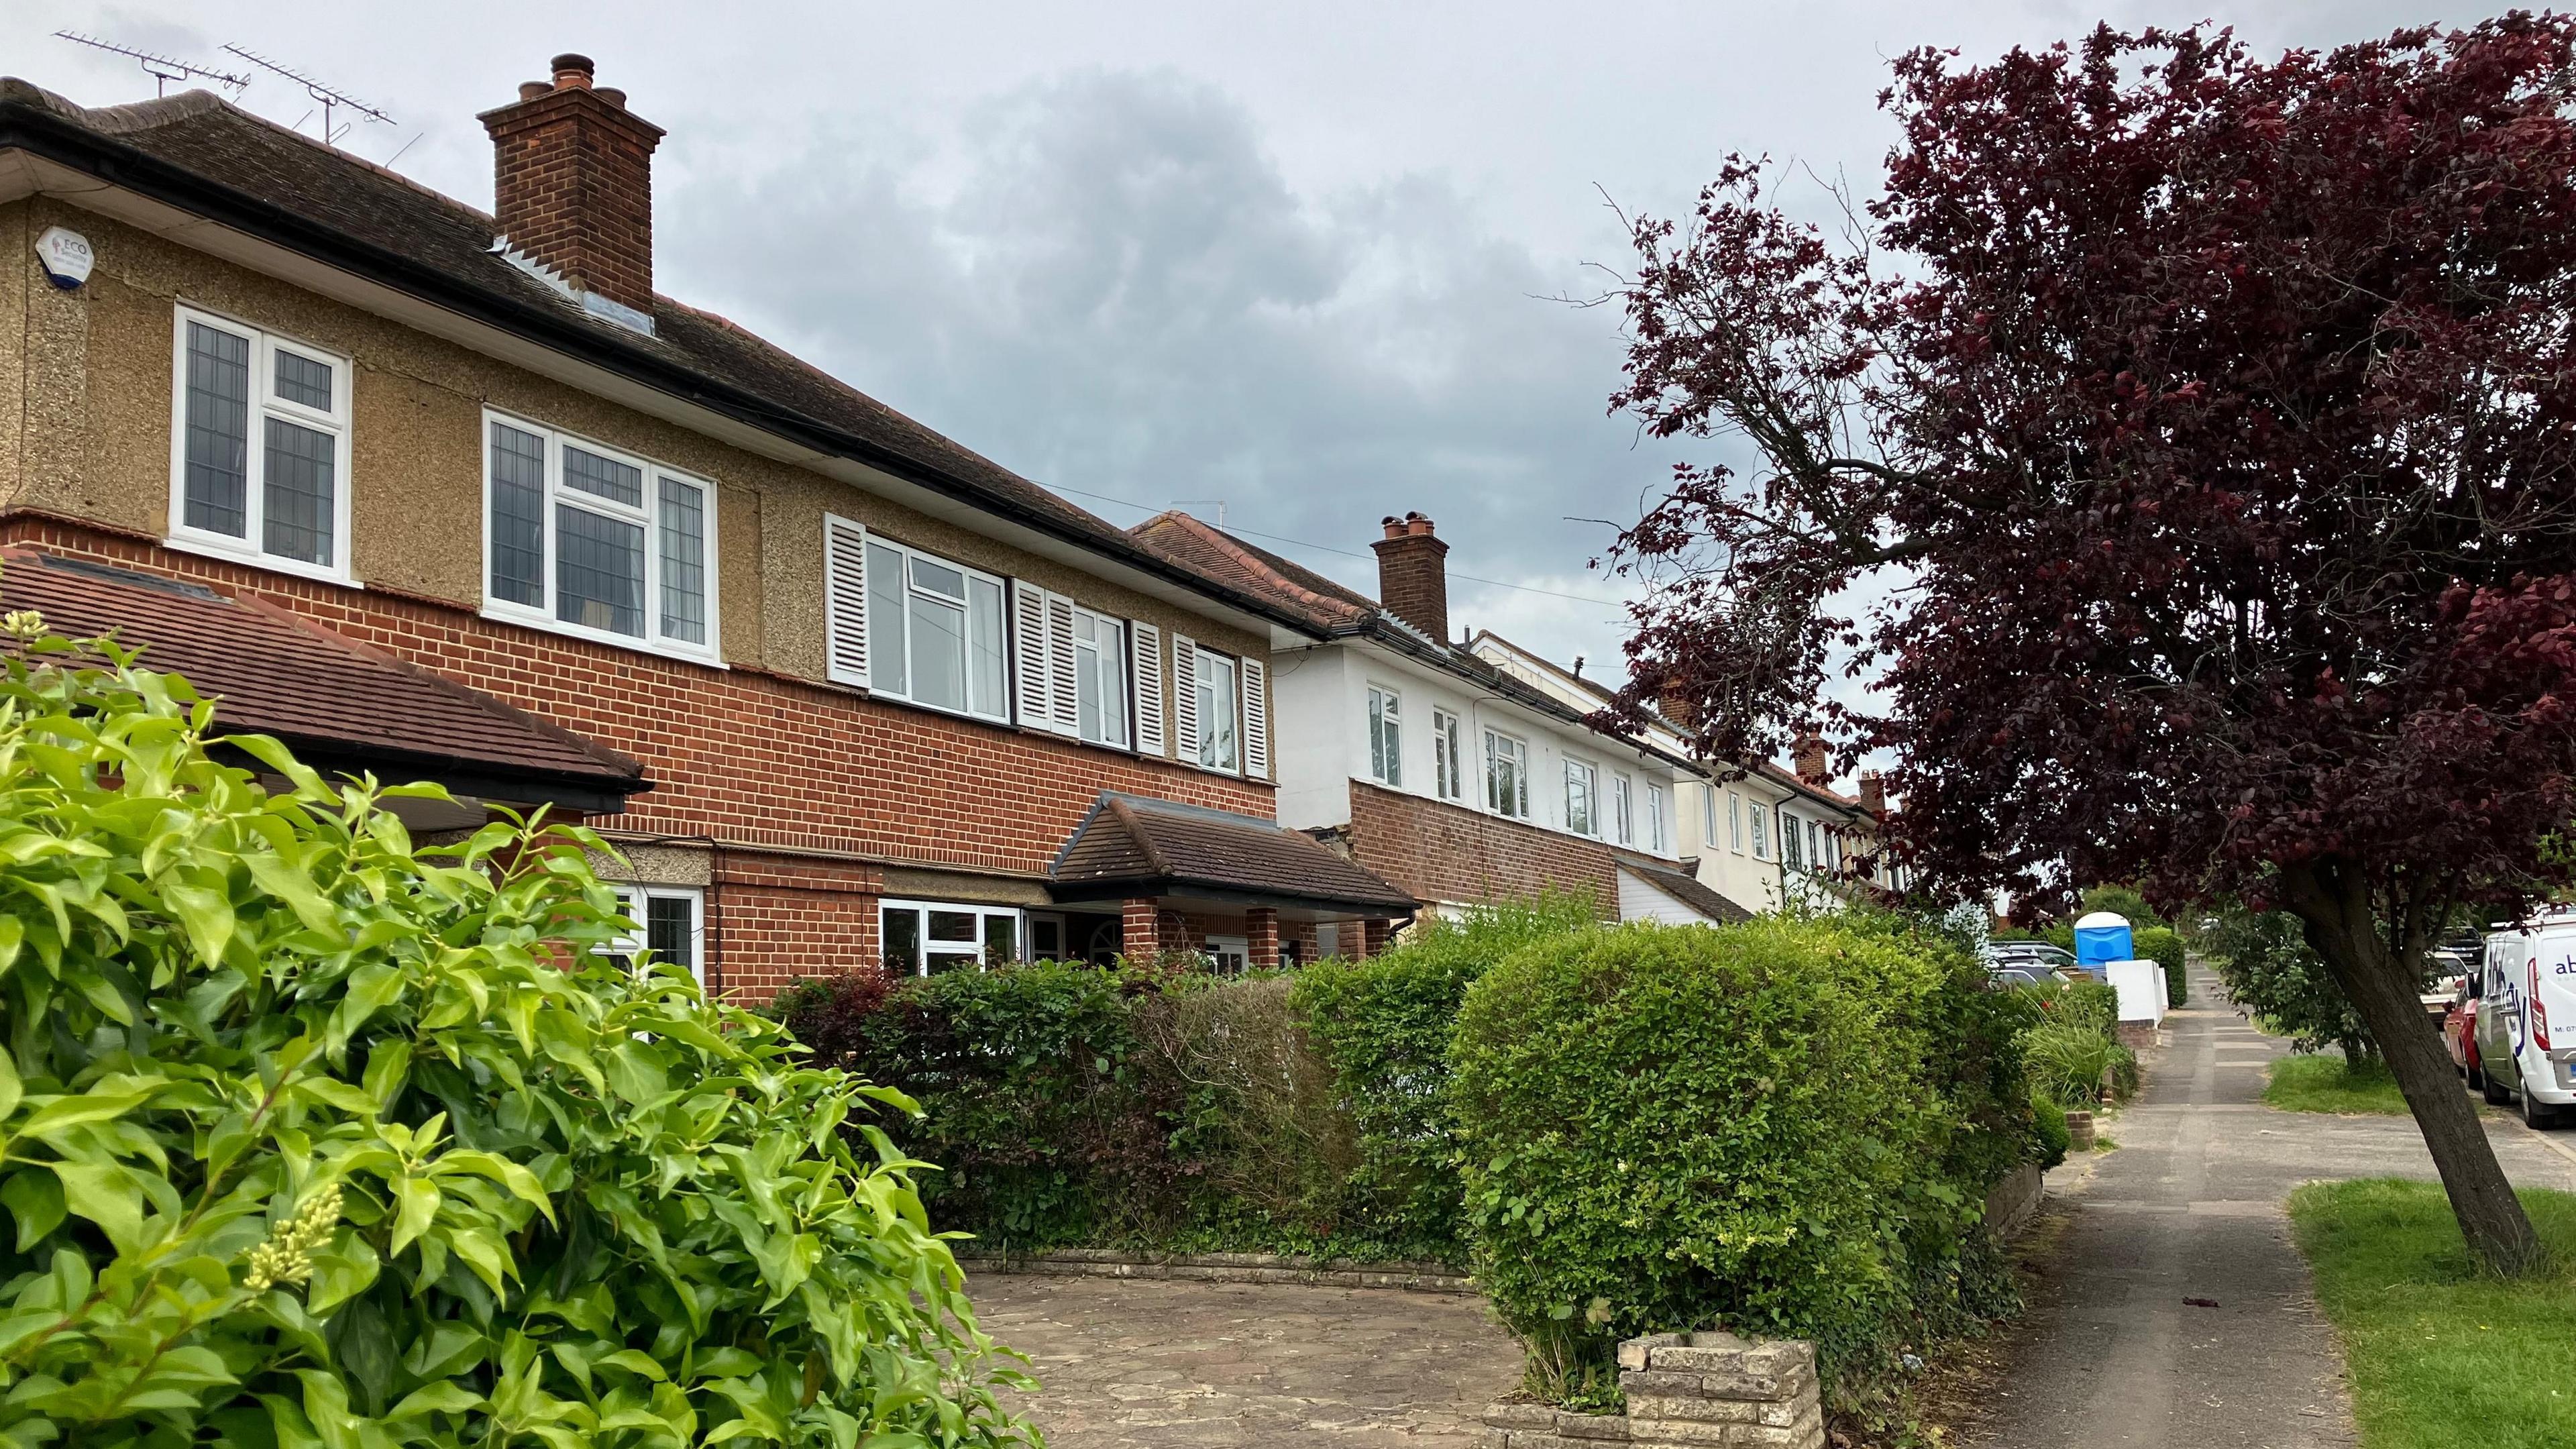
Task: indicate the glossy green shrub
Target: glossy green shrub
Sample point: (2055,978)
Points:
(1767,1126)
(2048,1121)
(319,1140)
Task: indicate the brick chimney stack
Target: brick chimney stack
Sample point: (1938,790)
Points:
(1413,574)
(1808,754)
(572,183)
(1873,792)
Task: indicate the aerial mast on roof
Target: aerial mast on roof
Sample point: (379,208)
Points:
(324,96)
(163,69)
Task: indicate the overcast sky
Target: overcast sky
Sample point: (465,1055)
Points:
(1298,257)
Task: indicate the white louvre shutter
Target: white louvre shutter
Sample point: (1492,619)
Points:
(845,601)
(1185,697)
(1146,666)
(1256,720)
(1029,655)
(1060,679)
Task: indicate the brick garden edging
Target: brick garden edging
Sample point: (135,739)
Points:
(1686,1391)
(1225,1268)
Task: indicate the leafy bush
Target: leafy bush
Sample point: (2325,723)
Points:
(316,1138)
(2270,972)
(2071,1061)
(2162,945)
(1760,1125)
(1258,1111)
(1384,1026)
(2049,1122)
(1038,1105)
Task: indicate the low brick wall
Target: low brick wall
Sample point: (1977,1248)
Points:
(1225,1268)
(1689,1391)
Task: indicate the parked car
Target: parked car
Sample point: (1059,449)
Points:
(2003,976)
(2031,953)
(2460,1031)
(2528,981)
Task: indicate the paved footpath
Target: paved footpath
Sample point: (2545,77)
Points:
(1132,1363)
(2191,1206)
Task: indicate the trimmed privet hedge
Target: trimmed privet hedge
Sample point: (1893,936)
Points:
(1784,1127)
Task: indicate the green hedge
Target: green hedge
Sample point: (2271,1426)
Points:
(1784,1127)
(318,1138)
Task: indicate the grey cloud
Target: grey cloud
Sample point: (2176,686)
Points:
(1104,282)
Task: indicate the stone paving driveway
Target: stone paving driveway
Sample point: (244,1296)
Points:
(1160,1364)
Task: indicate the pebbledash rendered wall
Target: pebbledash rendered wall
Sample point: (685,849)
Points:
(804,796)
(1448,853)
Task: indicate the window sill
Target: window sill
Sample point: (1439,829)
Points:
(253,558)
(530,619)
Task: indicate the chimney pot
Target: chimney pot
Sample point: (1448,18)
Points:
(1412,575)
(572,173)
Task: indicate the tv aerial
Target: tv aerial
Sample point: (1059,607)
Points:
(162,68)
(324,96)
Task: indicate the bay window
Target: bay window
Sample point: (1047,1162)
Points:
(585,539)
(259,447)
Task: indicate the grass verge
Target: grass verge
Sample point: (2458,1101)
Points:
(2441,1354)
(2326,1082)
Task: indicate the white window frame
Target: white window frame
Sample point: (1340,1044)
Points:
(1386,735)
(1623,810)
(1655,818)
(1590,774)
(1448,766)
(1201,658)
(648,516)
(1792,845)
(1735,822)
(1122,663)
(1496,744)
(983,914)
(634,899)
(1761,842)
(877,686)
(264,403)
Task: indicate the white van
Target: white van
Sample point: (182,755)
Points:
(2528,984)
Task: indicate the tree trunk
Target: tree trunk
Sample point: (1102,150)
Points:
(2343,929)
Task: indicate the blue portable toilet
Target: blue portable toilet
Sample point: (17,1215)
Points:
(2100,939)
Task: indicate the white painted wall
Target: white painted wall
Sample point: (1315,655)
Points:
(1642,900)
(1319,737)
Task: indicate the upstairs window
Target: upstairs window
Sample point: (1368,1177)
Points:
(1386,736)
(1448,766)
(1623,811)
(1506,775)
(934,632)
(1735,822)
(1790,854)
(1582,809)
(584,539)
(259,448)
(1100,678)
(1761,841)
(1218,704)
(1654,818)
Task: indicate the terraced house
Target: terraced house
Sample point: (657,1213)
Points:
(459,495)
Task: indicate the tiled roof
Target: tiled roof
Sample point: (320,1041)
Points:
(272,672)
(289,188)
(1688,890)
(1132,843)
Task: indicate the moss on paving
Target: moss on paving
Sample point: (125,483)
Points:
(2440,1353)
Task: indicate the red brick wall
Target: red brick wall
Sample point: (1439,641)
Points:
(834,781)
(573,188)
(1450,853)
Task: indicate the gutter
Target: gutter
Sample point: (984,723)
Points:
(43,133)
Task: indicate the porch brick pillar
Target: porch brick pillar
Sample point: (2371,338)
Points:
(1261,935)
(1373,936)
(1140,934)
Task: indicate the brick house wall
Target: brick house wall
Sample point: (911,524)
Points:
(804,792)
(1442,852)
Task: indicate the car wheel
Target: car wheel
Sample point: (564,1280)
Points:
(2537,1115)
(2477,1079)
(2492,1090)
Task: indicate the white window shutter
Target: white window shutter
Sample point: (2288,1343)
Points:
(1185,697)
(1067,718)
(1145,645)
(1029,655)
(845,601)
(1256,719)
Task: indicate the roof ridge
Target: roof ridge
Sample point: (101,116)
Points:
(1235,550)
(1136,831)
